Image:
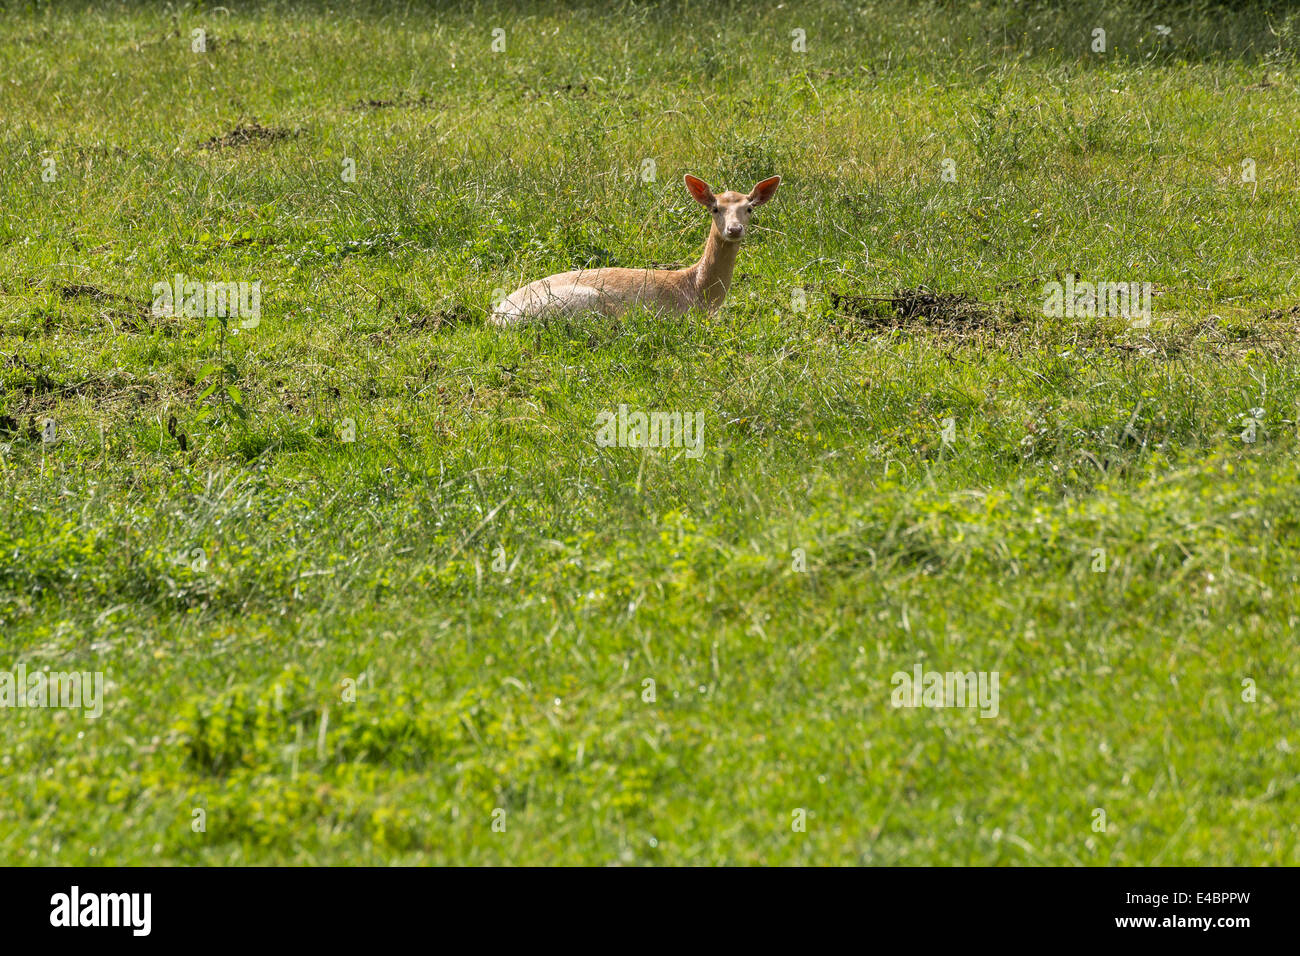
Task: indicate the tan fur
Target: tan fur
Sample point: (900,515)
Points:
(612,292)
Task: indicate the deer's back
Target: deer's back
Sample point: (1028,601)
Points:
(609,291)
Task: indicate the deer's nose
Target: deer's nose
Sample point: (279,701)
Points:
(735,231)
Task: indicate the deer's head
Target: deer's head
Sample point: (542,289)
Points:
(731,210)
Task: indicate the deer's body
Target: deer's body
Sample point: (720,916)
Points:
(612,292)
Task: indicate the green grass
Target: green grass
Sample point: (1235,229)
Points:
(495,589)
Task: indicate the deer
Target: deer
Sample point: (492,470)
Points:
(612,292)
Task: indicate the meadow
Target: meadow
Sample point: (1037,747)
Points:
(364,588)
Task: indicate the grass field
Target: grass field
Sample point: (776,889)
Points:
(364,588)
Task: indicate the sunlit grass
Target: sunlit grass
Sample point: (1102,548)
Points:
(355,651)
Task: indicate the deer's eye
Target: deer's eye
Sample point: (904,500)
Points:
(715,209)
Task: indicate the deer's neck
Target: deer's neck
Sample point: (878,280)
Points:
(713,271)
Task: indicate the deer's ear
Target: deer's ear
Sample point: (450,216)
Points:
(699,190)
(764,190)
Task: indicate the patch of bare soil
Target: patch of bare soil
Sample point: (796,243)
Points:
(404,100)
(428,322)
(1275,333)
(918,308)
(84,291)
(959,317)
(248,133)
(568,89)
(572,91)
(107,394)
(142,321)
